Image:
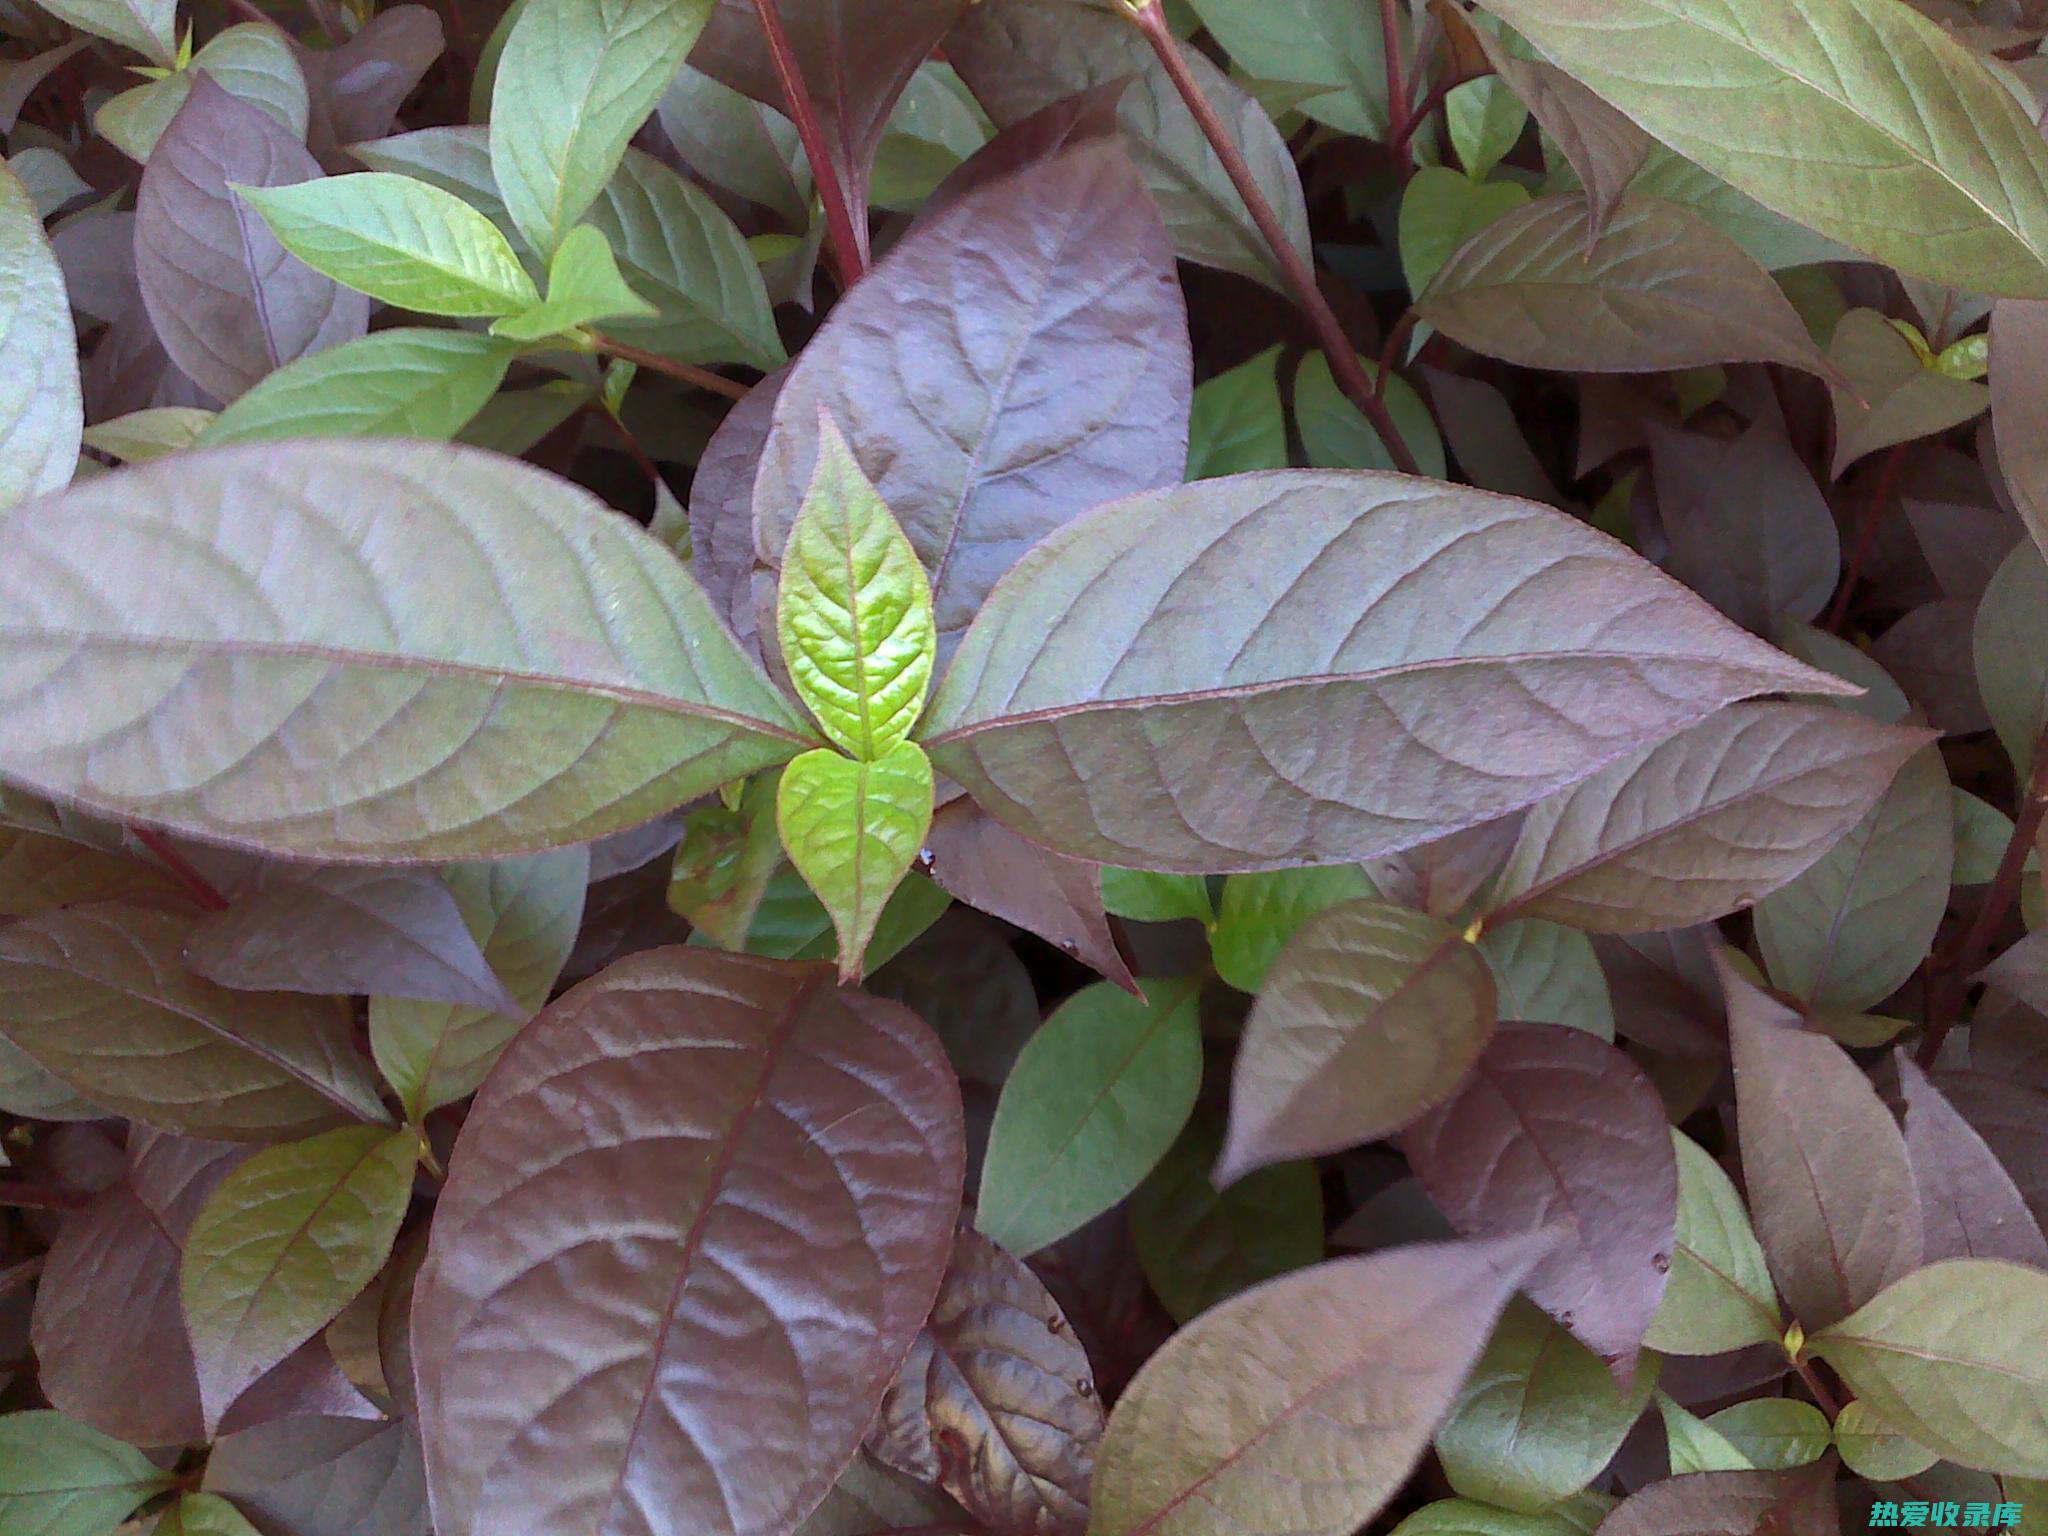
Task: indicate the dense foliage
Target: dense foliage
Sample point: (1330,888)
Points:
(1030,767)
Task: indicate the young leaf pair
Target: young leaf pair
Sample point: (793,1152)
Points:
(854,618)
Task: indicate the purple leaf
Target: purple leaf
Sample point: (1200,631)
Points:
(1969,1206)
(1559,1129)
(692,1225)
(228,302)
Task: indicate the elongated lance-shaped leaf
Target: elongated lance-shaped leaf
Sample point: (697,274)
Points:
(426,652)
(852,829)
(854,611)
(404,382)
(1317,667)
(575,82)
(60,1477)
(1861,119)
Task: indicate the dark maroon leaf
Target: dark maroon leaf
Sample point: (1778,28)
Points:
(228,303)
(309,1383)
(1557,1128)
(855,56)
(1665,992)
(324,1477)
(996,1403)
(1798,1503)
(1830,1189)
(978,860)
(392,932)
(109,1328)
(1969,1207)
(722,508)
(726,1190)
(2012,1117)
(358,87)
(1020,356)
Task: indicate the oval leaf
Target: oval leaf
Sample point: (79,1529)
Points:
(41,410)
(1719,1295)
(1660,289)
(996,1403)
(1372,1015)
(728,1076)
(287,1240)
(1164,682)
(1358,1359)
(1559,1128)
(60,1478)
(430,674)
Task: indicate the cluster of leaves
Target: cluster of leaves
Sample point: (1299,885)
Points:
(820,897)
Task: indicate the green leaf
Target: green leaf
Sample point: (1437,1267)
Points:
(1469,1517)
(1237,422)
(1981,832)
(560,675)
(1549,974)
(1893,397)
(523,914)
(1329,47)
(792,924)
(407,382)
(1696,1446)
(147,434)
(1260,912)
(854,612)
(1660,289)
(60,1478)
(1486,120)
(1199,1245)
(1539,1416)
(1775,241)
(1335,433)
(1781,97)
(2012,665)
(203,1514)
(1094,1101)
(1145,897)
(147,26)
(399,240)
(42,410)
(853,829)
(1719,1295)
(575,82)
(1775,1433)
(1955,1356)
(584,285)
(1441,210)
(724,864)
(287,1240)
(1373,1015)
(1872,1448)
(100,996)
(254,62)
(678,249)
(1854,927)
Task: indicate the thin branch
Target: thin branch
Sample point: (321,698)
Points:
(41,1197)
(1949,973)
(849,236)
(1817,1387)
(1398,129)
(654,362)
(1150,18)
(1866,535)
(1429,107)
(198,885)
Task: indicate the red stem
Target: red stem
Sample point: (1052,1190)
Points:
(1399,128)
(848,235)
(1949,973)
(198,885)
(1150,18)
(654,362)
(1866,535)
(40,1197)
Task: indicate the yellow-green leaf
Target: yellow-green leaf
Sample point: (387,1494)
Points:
(855,611)
(852,829)
(584,285)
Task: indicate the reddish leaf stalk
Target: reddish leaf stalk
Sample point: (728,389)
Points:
(42,1197)
(1821,1395)
(654,362)
(848,235)
(1866,534)
(198,885)
(1949,973)
(1429,107)
(1150,18)
(1399,125)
